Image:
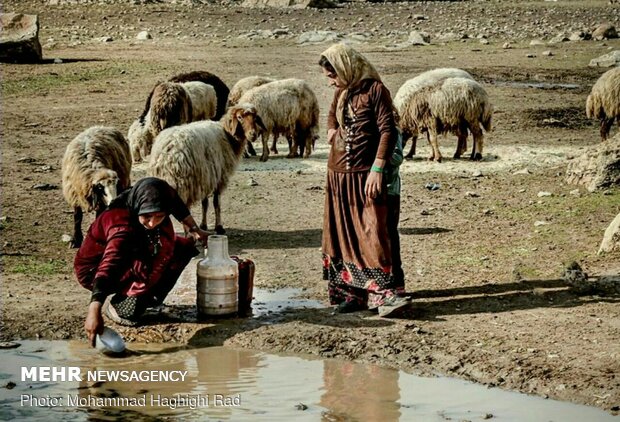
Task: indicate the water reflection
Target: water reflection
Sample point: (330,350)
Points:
(353,389)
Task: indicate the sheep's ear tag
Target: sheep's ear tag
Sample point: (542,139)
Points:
(240,117)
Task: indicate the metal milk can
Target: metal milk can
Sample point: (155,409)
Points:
(217,281)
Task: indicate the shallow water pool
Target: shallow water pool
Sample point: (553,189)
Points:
(220,383)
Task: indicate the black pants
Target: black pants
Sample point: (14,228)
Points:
(393,220)
(132,307)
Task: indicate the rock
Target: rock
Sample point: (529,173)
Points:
(606,60)
(358,37)
(542,194)
(540,223)
(575,192)
(293,4)
(523,171)
(476,173)
(506,46)
(558,39)
(57,61)
(252,182)
(280,32)
(9,345)
(537,42)
(598,167)
(471,194)
(451,36)
(576,278)
(547,53)
(144,35)
(611,239)
(605,31)
(105,39)
(318,37)
(19,38)
(484,41)
(579,36)
(419,38)
(45,186)
(258,34)
(609,284)
(10,385)
(65,238)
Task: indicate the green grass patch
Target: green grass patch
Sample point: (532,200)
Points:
(32,266)
(74,74)
(563,210)
(528,272)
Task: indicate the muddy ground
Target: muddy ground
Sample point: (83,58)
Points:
(483,255)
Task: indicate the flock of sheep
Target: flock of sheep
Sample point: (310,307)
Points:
(194,131)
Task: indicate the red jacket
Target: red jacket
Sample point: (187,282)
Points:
(116,252)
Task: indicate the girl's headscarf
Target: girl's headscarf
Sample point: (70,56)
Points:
(352,68)
(147,195)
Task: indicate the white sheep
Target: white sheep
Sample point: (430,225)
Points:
(410,87)
(288,107)
(450,105)
(244,85)
(199,158)
(603,103)
(238,90)
(95,168)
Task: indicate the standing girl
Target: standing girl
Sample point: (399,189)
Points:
(356,239)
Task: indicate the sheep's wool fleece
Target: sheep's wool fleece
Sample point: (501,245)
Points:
(352,68)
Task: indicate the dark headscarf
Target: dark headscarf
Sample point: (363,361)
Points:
(151,195)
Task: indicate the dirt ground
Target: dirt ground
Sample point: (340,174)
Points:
(483,255)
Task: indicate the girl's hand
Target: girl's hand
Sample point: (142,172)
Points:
(199,235)
(94,322)
(373,185)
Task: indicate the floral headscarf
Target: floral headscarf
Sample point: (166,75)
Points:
(352,68)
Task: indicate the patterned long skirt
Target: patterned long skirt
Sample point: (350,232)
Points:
(356,243)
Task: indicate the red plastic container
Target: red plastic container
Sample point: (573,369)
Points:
(246,284)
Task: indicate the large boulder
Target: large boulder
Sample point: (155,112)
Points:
(611,239)
(598,167)
(606,60)
(292,4)
(605,31)
(19,38)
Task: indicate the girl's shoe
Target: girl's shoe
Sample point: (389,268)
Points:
(393,305)
(348,307)
(120,316)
